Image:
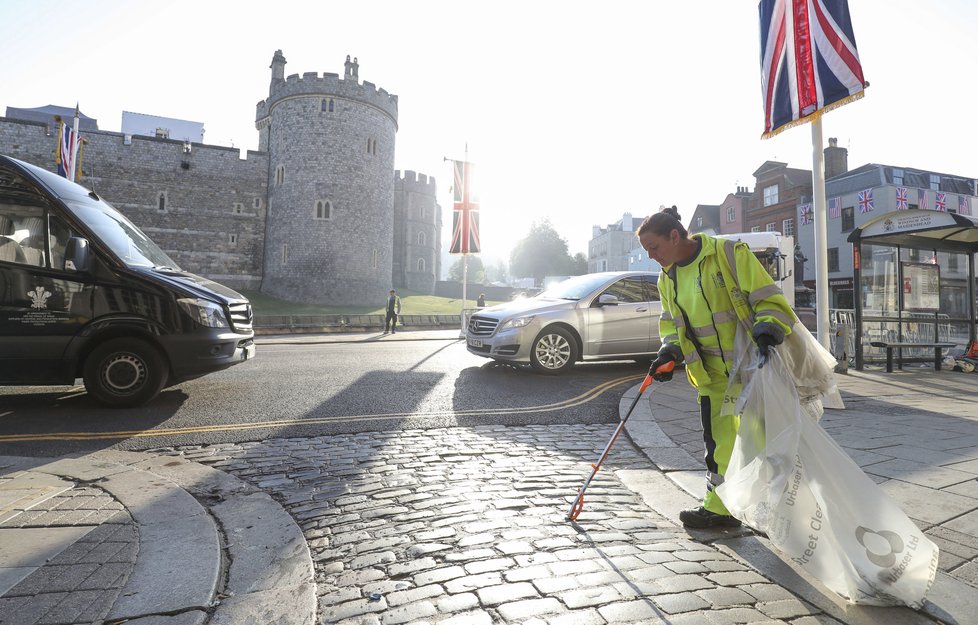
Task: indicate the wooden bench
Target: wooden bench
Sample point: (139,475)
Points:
(889,347)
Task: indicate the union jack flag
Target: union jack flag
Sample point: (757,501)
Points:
(465,219)
(964,205)
(865,199)
(809,61)
(901,199)
(67,149)
(835,207)
(940,202)
(921,199)
(805,214)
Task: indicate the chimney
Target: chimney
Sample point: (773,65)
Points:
(836,159)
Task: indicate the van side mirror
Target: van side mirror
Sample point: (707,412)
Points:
(607,299)
(77,255)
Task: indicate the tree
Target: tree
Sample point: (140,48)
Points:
(496,272)
(476,272)
(542,252)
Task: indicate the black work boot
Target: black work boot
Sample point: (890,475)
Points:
(701,518)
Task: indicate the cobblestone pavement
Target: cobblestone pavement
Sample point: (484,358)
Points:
(468,526)
(81,583)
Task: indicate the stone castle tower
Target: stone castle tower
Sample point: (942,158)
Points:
(330,225)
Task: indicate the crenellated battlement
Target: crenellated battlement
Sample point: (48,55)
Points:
(327,84)
(419,183)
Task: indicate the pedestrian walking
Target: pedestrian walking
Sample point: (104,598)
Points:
(393,310)
(481,302)
(707,286)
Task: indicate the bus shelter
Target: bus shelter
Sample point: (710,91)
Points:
(914,283)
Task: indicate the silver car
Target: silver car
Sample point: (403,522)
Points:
(590,317)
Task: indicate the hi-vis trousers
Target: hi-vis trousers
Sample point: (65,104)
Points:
(719,433)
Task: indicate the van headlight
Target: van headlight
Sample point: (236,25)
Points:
(204,312)
(516,322)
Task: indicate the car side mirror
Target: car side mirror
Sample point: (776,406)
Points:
(77,255)
(607,299)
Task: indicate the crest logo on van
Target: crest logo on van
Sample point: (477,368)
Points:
(39,297)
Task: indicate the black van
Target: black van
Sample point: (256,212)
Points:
(85,294)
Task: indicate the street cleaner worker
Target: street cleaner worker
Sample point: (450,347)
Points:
(702,278)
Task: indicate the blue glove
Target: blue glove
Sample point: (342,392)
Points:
(660,360)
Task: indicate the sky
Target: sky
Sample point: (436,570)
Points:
(576,112)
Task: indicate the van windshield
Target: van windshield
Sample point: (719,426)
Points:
(575,288)
(120,235)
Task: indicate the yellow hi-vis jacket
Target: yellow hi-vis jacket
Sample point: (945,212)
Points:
(704,300)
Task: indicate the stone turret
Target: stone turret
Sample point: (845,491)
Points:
(278,70)
(352,69)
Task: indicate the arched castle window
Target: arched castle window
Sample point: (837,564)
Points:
(324,209)
(421,265)
(372,146)
(279,174)
(325,105)
(421,239)
(161,201)
(331,105)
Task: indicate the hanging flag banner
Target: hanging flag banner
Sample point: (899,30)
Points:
(809,61)
(835,207)
(921,199)
(964,205)
(901,199)
(940,202)
(865,199)
(805,214)
(465,217)
(67,150)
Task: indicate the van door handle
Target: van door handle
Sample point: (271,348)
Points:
(641,310)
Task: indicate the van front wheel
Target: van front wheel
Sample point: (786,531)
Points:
(554,351)
(124,372)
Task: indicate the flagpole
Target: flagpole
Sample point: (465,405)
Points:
(821,241)
(465,243)
(74,147)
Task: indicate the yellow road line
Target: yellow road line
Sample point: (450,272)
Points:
(233,427)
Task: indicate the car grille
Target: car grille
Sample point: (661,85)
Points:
(482,326)
(241,317)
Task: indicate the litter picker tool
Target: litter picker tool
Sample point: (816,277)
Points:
(578,504)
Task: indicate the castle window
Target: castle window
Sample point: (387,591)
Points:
(238,208)
(161,201)
(233,239)
(285,253)
(370,145)
(421,265)
(257,203)
(325,105)
(324,210)
(375,258)
(279,174)
(421,238)
(331,105)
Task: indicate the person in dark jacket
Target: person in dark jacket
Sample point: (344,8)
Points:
(393,310)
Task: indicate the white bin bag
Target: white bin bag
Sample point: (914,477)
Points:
(788,478)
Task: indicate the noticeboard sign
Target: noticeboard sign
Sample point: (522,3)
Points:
(921,288)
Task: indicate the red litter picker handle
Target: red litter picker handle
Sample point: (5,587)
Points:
(578,504)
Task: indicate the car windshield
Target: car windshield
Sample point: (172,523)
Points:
(121,236)
(576,288)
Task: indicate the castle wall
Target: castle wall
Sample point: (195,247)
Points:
(209,194)
(417,232)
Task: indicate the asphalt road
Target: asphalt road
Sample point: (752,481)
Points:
(312,390)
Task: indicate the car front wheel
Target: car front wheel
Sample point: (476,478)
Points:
(554,351)
(124,372)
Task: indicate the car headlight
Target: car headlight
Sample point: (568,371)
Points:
(516,322)
(204,312)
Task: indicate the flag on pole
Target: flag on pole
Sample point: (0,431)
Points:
(921,199)
(865,199)
(805,214)
(809,61)
(901,199)
(940,202)
(835,207)
(67,150)
(964,205)
(465,219)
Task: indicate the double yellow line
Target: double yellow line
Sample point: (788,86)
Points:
(234,427)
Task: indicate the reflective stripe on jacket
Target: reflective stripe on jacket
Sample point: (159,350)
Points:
(703,302)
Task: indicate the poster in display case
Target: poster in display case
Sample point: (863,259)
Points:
(921,289)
